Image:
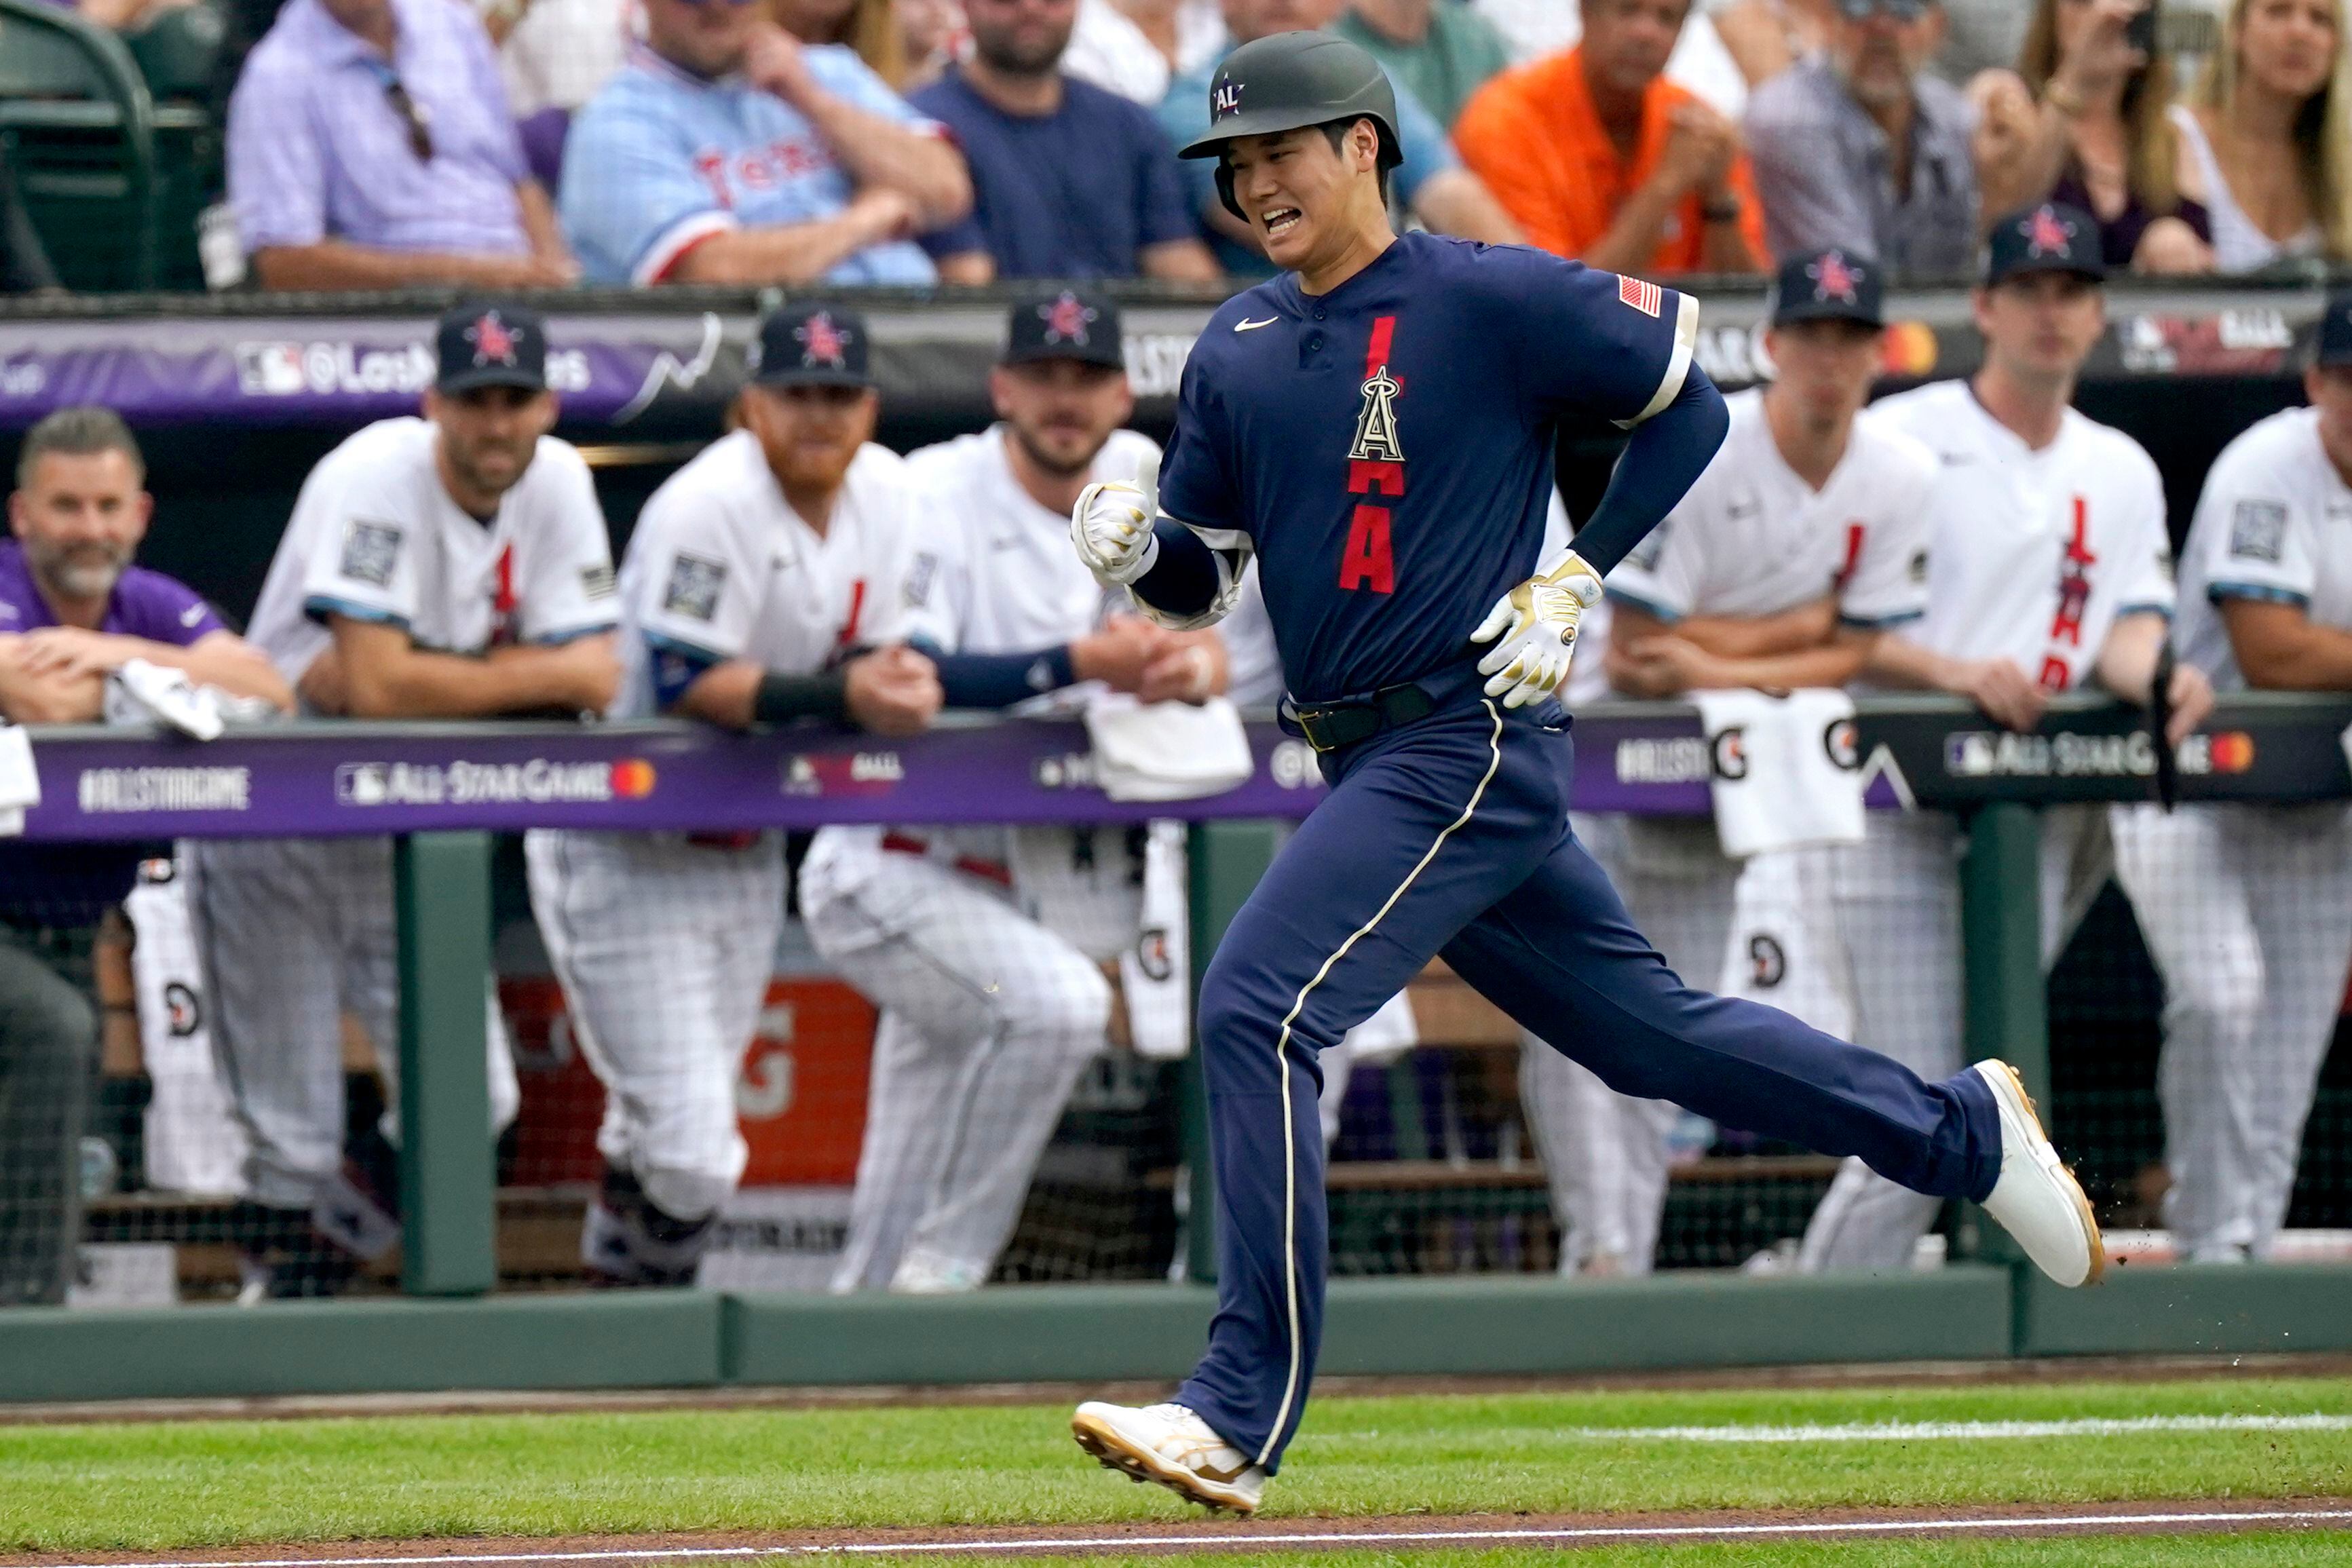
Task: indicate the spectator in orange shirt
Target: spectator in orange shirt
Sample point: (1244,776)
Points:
(1598,157)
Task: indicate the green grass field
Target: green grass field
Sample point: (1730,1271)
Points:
(213,1483)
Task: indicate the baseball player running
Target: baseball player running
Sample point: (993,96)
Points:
(454,566)
(1805,539)
(985,962)
(2048,570)
(765,583)
(2248,910)
(1378,424)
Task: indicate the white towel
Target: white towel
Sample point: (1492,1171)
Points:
(1155,970)
(1167,751)
(1784,950)
(195,1142)
(1786,772)
(20,781)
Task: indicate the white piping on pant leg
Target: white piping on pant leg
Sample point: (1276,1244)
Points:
(1282,1068)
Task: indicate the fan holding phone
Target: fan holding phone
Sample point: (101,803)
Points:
(2087,106)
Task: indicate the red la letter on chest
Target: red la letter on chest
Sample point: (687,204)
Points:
(1366,562)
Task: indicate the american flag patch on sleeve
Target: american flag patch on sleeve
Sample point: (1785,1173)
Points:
(1646,298)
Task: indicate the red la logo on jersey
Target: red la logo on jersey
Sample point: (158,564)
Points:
(2046,234)
(1833,279)
(822,342)
(1067,319)
(1375,467)
(493,340)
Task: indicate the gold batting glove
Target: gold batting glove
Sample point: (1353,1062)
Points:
(1533,628)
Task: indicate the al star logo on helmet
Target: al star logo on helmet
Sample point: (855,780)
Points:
(1067,319)
(1833,279)
(1225,98)
(822,342)
(493,340)
(2046,234)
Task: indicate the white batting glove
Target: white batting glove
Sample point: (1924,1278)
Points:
(1111,526)
(1533,628)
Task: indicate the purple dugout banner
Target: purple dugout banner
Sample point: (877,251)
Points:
(337,778)
(325,778)
(682,363)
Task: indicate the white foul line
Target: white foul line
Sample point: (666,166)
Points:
(1947,1431)
(1321,1538)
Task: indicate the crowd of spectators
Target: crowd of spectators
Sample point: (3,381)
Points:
(502,143)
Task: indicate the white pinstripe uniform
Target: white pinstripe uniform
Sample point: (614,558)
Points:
(300,930)
(982,945)
(1751,539)
(2247,910)
(2033,556)
(665,941)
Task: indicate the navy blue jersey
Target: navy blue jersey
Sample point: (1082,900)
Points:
(1387,446)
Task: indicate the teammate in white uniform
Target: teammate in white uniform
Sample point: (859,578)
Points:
(2248,910)
(1802,542)
(757,579)
(983,946)
(2048,571)
(450,566)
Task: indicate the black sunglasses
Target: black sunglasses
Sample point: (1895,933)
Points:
(420,129)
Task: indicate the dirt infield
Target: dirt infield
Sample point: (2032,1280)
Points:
(2179,1517)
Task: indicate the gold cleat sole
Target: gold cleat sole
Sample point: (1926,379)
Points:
(1113,1454)
(2073,1187)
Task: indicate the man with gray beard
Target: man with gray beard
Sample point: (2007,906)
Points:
(73,609)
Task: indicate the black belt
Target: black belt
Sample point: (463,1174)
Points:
(1329,727)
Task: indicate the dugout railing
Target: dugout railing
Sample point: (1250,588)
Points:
(442,792)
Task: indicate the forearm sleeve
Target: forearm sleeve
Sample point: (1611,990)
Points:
(1664,457)
(781,699)
(1000,680)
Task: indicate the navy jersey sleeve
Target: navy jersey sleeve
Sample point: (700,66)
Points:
(1592,343)
(1196,476)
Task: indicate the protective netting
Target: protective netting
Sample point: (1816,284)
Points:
(1025,1138)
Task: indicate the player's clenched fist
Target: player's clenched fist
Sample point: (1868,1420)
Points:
(893,691)
(1111,526)
(1533,628)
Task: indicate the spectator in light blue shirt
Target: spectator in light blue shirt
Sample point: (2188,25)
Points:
(728,152)
(370,147)
(1431,184)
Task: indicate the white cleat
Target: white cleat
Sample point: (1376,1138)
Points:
(2037,1199)
(1169,1444)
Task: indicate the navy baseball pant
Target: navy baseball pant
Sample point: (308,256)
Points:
(1449,836)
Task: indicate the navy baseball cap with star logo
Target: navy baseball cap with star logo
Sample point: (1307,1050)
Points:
(483,345)
(813,345)
(2051,237)
(1829,286)
(1067,324)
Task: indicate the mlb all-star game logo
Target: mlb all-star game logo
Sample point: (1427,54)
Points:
(1833,279)
(1067,319)
(493,340)
(1225,98)
(823,341)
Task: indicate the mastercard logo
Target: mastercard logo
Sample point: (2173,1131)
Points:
(2234,751)
(1909,349)
(633,778)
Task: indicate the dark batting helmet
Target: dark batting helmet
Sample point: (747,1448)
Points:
(1288,81)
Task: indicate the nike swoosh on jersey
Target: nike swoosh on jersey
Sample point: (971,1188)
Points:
(191,614)
(1246,325)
